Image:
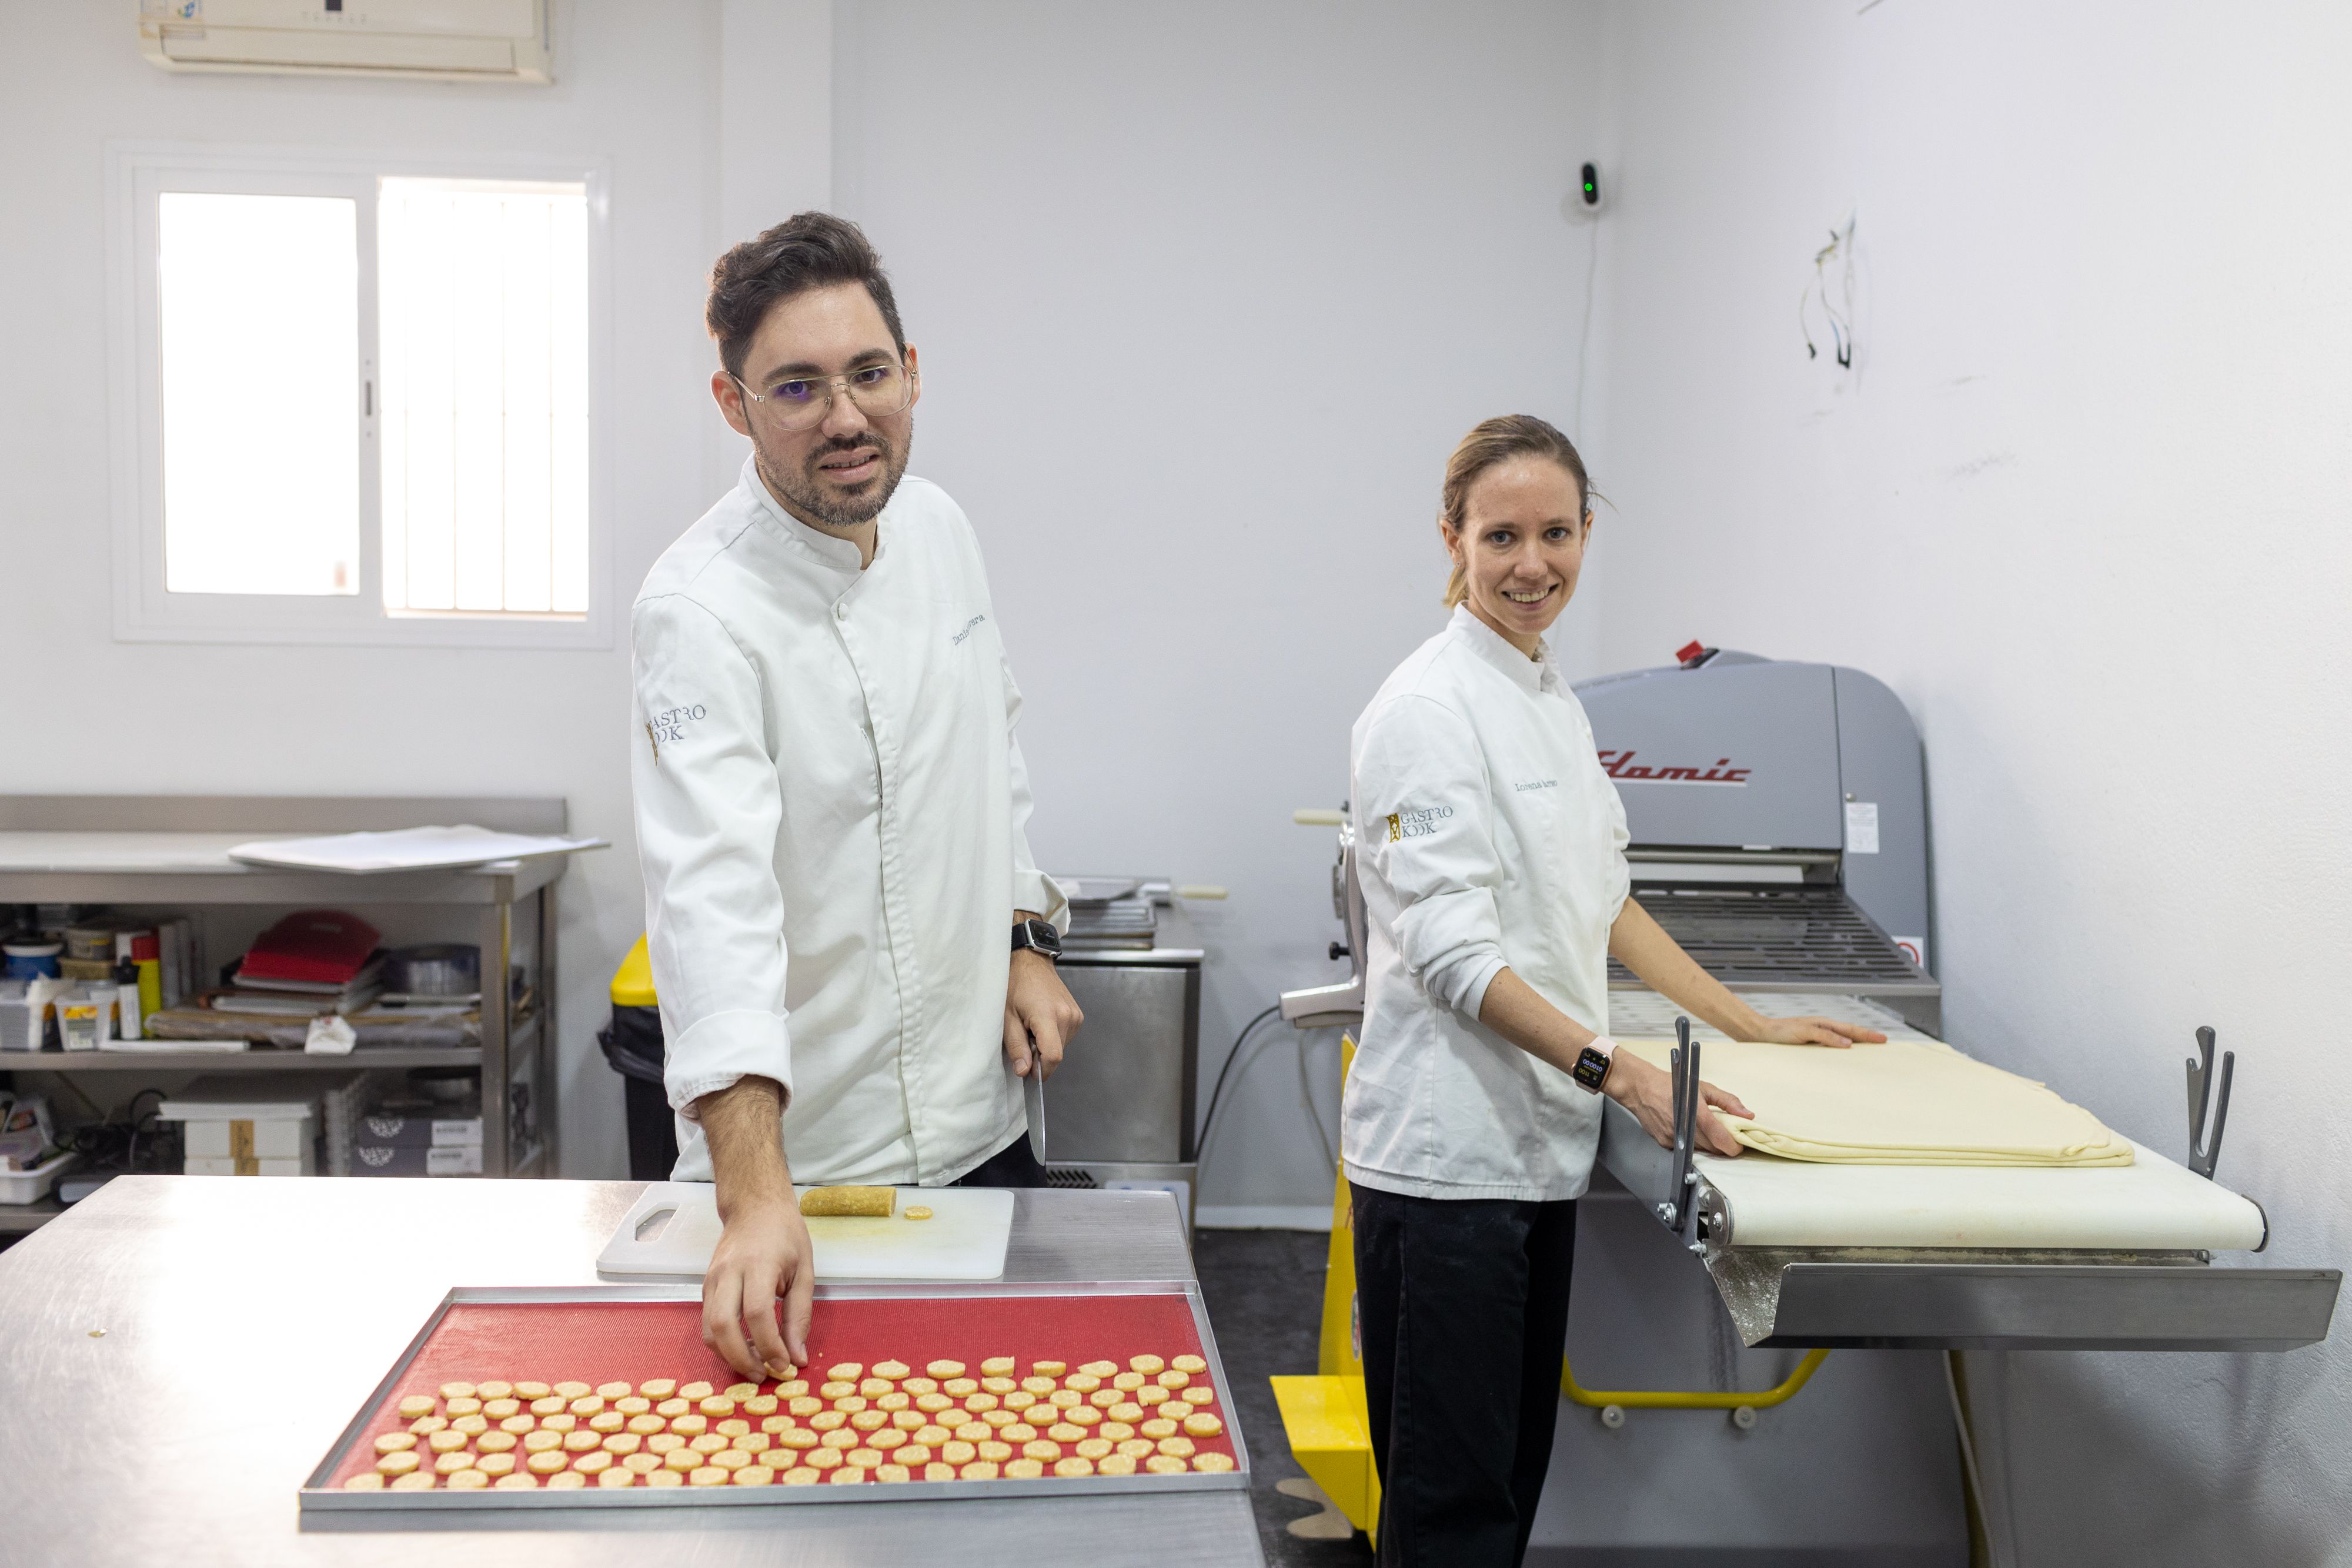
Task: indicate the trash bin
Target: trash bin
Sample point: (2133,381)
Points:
(633,1045)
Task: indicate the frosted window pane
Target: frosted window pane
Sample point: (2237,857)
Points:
(485,331)
(258,317)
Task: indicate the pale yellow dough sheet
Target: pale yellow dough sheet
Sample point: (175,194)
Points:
(1904,1103)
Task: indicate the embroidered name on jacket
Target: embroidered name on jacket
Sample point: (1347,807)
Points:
(1417,824)
(957,641)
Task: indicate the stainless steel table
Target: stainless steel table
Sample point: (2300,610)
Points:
(177,1352)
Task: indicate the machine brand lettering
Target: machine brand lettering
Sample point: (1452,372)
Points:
(670,725)
(957,641)
(1536,784)
(1417,824)
(1621,766)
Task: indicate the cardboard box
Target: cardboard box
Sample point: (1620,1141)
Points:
(306,1166)
(418,1132)
(417,1160)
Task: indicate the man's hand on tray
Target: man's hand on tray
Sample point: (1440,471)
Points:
(764,1256)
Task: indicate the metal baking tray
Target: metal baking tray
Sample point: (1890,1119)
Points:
(318,1496)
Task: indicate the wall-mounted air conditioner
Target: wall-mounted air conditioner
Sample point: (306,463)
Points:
(442,40)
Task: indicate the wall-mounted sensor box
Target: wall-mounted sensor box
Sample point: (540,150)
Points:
(1586,202)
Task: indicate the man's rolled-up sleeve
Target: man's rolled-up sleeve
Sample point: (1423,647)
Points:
(1422,814)
(708,809)
(1031,889)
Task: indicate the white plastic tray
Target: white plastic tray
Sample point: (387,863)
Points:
(32,1185)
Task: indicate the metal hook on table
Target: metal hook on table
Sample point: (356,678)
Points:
(1676,1212)
(2204,1153)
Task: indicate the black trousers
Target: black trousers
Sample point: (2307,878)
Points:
(1463,1305)
(1011,1166)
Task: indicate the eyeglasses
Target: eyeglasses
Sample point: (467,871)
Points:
(802,402)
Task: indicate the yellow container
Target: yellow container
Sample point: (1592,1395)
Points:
(633,982)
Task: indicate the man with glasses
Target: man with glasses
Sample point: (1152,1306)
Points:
(853,947)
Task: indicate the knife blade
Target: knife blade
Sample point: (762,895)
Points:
(1032,1095)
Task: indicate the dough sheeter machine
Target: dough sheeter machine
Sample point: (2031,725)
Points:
(1778,814)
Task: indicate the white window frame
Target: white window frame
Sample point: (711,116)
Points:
(136,173)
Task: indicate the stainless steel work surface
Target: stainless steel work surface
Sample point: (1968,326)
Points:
(177,1352)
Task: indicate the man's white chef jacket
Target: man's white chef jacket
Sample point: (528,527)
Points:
(1486,836)
(830,812)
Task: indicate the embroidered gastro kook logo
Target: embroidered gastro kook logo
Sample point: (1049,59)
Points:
(670,725)
(1416,824)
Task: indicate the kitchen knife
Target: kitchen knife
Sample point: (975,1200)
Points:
(1033,1093)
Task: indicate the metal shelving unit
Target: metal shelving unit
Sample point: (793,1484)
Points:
(171,851)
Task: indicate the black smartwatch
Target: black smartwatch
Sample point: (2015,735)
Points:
(1592,1069)
(1038,936)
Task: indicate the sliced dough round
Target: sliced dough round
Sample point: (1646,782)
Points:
(998,1385)
(731,1460)
(909,1420)
(1064,1432)
(499,1409)
(911,1455)
(1000,1418)
(828,1420)
(978,1402)
(842,1438)
(1180,1448)
(532,1390)
(520,1481)
(558,1423)
(641,1464)
(897,1399)
(583,1442)
(916,1211)
(1173,1378)
(740,1391)
(1203,1425)
(1213,1462)
(893,1473)
(1158,1428)
(467,1480)
(470,1424)
(541,1442)
(495,1388)
(462,1408)
(846,1372)
(711,1443)
(1040,1384)
(717,1405)
(979,1470)
(1092,1447)
(395,1442)
(1082,1382)
(753,1442)
(1151,1393)
(681,1460)
(1104,1398)
(366,1481)
(1115,1465)
(934,1403)
(689,1426)
(957,1451)
(803,1405)
(646,1426)
(571,1390)
(595,1464)
(548,1463)
(1082,1415)
(1049,1368)
(613,1390)
(546,1405)
(1099,1369)
(456,1391)
(1117,1431)
(862,1458)
(398,1463)
(567,1480)
(1019,1432)
(634,1404)
(446,1442)
(995,1453)
(824,1458)
(1147,1365)
(797,1389)
(1074,1466)
(960,1387)
(416,1481)
(497,1442)
(796,1438)
(609,1422)
(658,1388)
(754,1475)
(1041,1448)
(416,1404)
(1165,1465)
(998,1366)
(802,1476)
(664,1478)
(939,1470)
(930,1435)
(876,1387)
(1127,1380)
(759,1404)
(664,1443)
(694,1391)
(1023,1470)
(707,1476)
(1125,1410)
(839,1387)
(894,1370)
(495,1463)
(944,1368)
(1199,1394)
(1189,1364)
(1137,1447)
(617,1476)
(773,1424)
(585,1406)
(623,1443)
(848,1476)
(869,1420)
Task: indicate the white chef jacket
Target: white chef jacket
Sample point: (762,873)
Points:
(1486,836)
(830,812)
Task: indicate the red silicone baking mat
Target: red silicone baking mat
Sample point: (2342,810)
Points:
(597,1342)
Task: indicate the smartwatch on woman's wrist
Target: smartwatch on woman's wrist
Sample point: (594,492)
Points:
(1592,1069)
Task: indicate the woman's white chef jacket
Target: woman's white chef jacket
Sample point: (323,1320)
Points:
(831,811)
(1486,836)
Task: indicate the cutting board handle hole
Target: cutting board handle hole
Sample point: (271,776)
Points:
(650,1227)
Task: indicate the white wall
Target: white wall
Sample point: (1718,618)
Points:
(636,86)
(1204,294)
(2083,503)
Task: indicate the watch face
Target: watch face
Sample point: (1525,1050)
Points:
(1592,1069)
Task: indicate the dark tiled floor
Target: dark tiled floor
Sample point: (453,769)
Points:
(1265,1292)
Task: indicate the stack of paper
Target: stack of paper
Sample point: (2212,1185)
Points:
(406,849)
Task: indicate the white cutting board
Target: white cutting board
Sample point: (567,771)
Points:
(963,1239)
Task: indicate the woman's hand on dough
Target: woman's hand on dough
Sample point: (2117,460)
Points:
(1835,1034)
(1649,1092)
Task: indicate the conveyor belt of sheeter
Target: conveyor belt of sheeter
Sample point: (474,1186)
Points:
(1968,1257)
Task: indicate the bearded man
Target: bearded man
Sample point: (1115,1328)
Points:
(853,948)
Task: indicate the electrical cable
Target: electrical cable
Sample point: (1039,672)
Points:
(1307,1098)
(1969,1457)
(1216,1093)
(1584,333)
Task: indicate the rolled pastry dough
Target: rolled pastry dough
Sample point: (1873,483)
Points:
(1904,1103)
